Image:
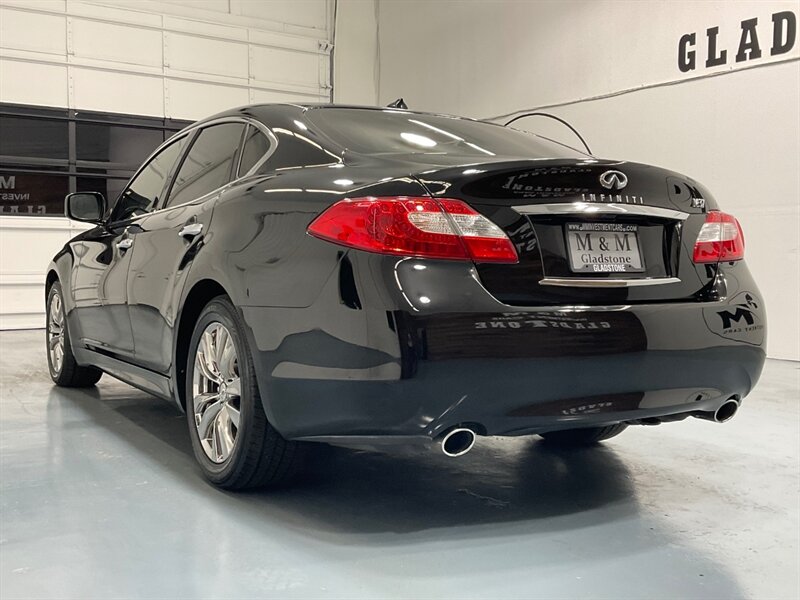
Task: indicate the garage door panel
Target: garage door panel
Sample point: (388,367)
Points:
(23,305)
(215,5)
(212,30)
(193,100)
(266,96)
(15,239)
(117,92)
(114,14)
(204,55)
(286,66)
(306,13)
(23,82)
(282,40)
(117,43)
(36,32)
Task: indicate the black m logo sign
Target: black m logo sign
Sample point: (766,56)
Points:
(728,318)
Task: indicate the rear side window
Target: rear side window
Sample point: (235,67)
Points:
(144,190)
(209,163)
(297,149)
(256,145)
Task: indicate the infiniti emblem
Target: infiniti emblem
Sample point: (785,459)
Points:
(613,180)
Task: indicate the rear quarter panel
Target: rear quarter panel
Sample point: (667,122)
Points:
(259,248)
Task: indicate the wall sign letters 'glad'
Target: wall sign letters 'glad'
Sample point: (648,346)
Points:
(784,34)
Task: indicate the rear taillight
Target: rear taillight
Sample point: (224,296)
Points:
(423,227)
(720,239)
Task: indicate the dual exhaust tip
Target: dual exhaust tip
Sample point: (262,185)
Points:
(457,441)
(723,414)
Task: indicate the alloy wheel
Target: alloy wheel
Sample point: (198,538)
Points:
(55,333)
(216,392)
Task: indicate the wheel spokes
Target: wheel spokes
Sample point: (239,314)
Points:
(234,386)
(58,357)
(203,401)
(216,391)
(227,361)
(224,434)
(55,333)
(205,358)
(233,415)
(221,338)
(206,419)
(206,372)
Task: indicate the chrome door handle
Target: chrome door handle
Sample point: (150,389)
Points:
(125,244)
(191,230)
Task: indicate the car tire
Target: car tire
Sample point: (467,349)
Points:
(64,370)
(583,437)
(234,443)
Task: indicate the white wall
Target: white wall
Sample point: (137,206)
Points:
(184,59)
(356,54)
(177,58)
(737,131)
(27,245)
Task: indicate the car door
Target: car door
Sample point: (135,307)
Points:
(167,240)
(98,284)
(103,257)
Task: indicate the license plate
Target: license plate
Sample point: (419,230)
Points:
(603,248)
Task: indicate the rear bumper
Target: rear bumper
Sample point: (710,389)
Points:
(518,397)
(403,351)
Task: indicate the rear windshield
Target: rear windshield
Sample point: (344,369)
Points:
(389,131)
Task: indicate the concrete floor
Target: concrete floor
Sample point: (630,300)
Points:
(100,498)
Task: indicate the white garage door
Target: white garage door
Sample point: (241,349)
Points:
(177,59)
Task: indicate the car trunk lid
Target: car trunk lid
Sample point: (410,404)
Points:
(587,231)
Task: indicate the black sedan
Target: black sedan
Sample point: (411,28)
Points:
(289,274)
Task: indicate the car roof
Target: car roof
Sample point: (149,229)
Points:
(384,109)
(266,110)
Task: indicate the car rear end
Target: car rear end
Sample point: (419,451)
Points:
(526,296)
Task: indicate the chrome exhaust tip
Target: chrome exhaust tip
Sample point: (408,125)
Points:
(458,441)
(726,412)
(723,414)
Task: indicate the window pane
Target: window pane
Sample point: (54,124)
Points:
(255,146)
(32,194)
(145,190)
(115,144)
(367,131)
(296,150)
(208,164)
(33,138)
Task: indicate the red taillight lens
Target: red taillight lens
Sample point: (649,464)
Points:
(720,239)
(424,227)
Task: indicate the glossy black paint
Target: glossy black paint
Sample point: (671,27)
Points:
(667,245)
(350,343)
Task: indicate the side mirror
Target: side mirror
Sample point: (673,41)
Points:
(85,206)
